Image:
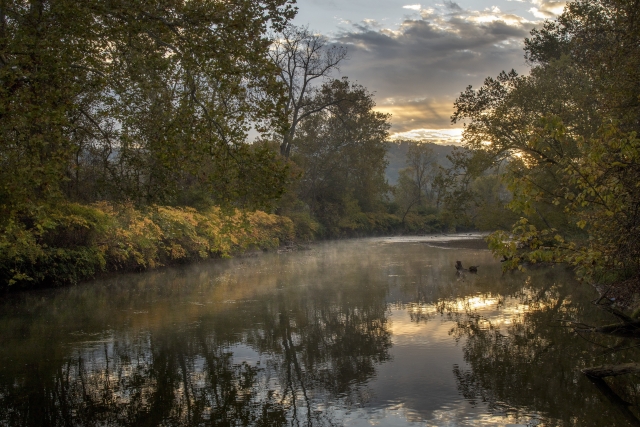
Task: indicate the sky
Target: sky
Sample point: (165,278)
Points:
(417,57)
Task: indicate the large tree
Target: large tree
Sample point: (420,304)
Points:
(415,181)
(566,134)
(342,153)
(137,100)
(305,60)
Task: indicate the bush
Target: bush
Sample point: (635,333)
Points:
(69,242)
(415,223)
(305,227)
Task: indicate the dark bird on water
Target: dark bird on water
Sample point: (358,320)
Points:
(460,268)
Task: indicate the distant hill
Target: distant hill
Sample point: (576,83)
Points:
(397,157)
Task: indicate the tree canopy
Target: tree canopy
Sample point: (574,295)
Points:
(136,100)
(566,136)
(341,150)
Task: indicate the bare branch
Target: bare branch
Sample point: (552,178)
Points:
(303,57)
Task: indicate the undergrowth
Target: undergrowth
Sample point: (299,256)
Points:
(69,242)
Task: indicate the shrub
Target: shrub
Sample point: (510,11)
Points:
(69,242)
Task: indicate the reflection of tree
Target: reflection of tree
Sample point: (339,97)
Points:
(319,343)
(521,361)
(171,380)
(328,342)
(527,363)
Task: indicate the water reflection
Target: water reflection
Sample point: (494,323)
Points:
(524,364)
(352,333)
(162,348)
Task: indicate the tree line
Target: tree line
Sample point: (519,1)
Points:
(125,136)
(123,128)
(565,141)
(338,147)
(112,110)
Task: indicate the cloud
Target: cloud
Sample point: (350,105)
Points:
(372,23)
(451,136)
(409,114)
(412,6)
(547,9)
(452,6)
(418,68)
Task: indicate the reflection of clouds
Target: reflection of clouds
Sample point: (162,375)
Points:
(493,310)
(457,414)
(458,304)
(403,327)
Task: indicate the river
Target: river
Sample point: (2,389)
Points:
(362,332)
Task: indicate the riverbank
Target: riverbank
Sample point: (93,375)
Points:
(67,243)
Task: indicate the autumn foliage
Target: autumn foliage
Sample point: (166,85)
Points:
(70,242)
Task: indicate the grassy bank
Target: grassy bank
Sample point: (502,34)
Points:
(364,224)
(66,243)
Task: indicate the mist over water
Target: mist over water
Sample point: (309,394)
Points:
(361,332)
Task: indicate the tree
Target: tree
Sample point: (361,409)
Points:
(500,119)
(600,37)
(602,198)
(342,153)
(569,133)
(415,182)
(566,136)
(303,58)
(572,158)
(131,100)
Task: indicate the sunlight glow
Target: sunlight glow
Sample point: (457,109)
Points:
(547,9)
(497,16)
(451,136)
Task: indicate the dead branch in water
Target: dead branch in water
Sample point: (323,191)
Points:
(612,370)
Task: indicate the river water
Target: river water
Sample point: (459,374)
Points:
(361,332)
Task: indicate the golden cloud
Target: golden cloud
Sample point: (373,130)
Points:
(419,113)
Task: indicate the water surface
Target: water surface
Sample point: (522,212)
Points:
(355,333)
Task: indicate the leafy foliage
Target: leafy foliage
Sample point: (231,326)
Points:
(109,109)
(305,60)
(565,138)
(414,182)
(601,196)
(341,153)
(69,242)
(430,197)
(139,101)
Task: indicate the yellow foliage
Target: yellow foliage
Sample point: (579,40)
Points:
(71,242)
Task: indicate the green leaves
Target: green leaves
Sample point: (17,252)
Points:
(69,242)
(566,134)
(341,150)
(131,100)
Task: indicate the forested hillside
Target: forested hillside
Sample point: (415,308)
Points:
(397,157)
